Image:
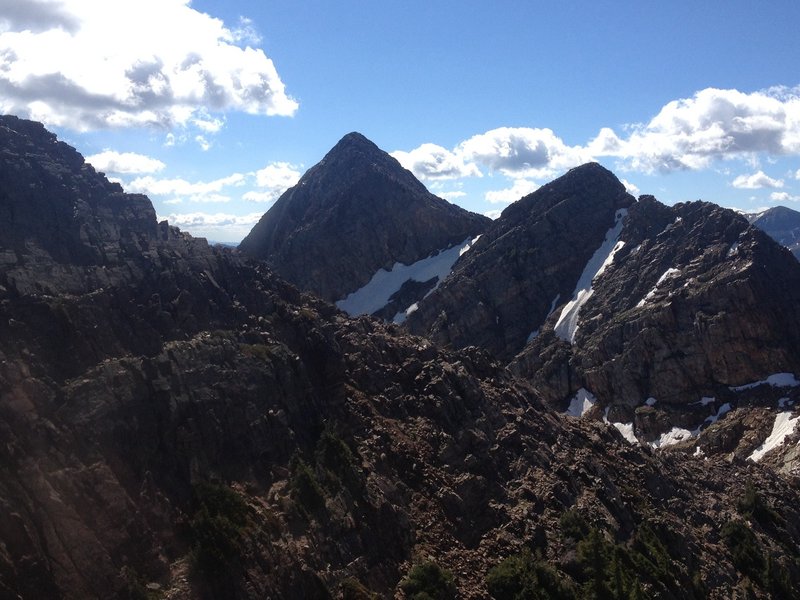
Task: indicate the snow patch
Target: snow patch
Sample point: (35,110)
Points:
(376,293)
(400,317)
(776,380)
(720,412)
(553,305)
(470,245)
(581,403)
(626,429)
(704,401)
(670,273)
(734,249)
(782,428)
(567,324)
(671,437)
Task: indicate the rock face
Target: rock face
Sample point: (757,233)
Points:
(179,422)
(353,213)
(578,286)
(782,224)
(694,301)
(525,265)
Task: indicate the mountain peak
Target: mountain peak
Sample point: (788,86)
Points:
(353,213)
(354,138)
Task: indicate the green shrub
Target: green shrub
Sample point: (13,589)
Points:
(337,459)
(305,488)
(752,506)
(573,525)
(593,555)
(522,577)
(651,555)
(215,529)
(352,589)
(428,580)
(744,548)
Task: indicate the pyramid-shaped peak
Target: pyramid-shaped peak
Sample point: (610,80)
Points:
(355,142)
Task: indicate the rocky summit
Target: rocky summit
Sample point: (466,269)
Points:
(352,214)
(524,265)
(179,422)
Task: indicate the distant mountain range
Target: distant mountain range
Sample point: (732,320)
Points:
(594,380)
(782,224)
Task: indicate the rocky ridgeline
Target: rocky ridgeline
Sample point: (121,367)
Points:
(353,213)
(187,425)
(524,266)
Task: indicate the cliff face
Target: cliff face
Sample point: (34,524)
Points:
(524,266)
(693,300)
(355,212)
(177,417)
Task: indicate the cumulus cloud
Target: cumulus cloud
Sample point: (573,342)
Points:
(714,124)
(201,191)
(273,180)
(216,226)
(630,187)
(110,161)
(522,152)
(87,65)
(451,195)
(520,188)
(432,162)
(783,197)
(756,181)
(200,219)
(493,214)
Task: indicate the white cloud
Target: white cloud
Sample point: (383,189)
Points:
(110,161)
(278,175)
(84,64)
(204,144)
(274,179)
(522,152)
(451,195)
(630,187)
(493,214)
(797,175)
(783,197)
(432,162)
(216,226)
(208,191)
(756,181)
(714,124)
(520,188)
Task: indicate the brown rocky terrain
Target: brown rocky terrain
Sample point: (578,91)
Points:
(691,303)
(178,422)
(353,213)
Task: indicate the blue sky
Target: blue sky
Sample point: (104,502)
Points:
(214,108)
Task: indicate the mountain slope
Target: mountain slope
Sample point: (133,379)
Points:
(524,265)
(781,224)
(589,294)
(694,300)
(355,212)
(179,422)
